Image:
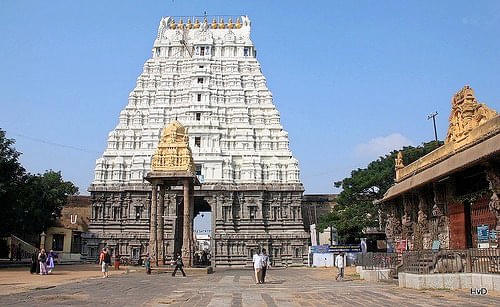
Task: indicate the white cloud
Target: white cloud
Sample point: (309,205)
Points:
(382,145)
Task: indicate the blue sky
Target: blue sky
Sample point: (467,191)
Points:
(352,80)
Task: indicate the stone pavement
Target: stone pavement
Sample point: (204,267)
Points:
(18,279)
(285,287)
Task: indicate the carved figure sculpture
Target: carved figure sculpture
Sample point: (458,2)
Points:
(466,114)
(399,161)
(493,176)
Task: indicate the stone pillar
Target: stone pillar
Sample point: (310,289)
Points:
(493,176)
(187,230)
(214,210)
(42,240)
(153,243)
(160,222)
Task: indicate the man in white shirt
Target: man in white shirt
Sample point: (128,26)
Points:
(339,263)
(264,258)
(257,266)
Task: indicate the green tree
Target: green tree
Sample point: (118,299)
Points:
(30,203)
(355,209)
(42,199)
(12,177)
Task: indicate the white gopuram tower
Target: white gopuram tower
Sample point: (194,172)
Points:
(205,75)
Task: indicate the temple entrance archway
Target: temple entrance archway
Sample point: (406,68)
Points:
(172,166)
(202,232)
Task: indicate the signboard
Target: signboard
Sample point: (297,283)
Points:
(325,248)
(321,249)
(482,233)
(346,248)
(401,246)
(493,235)
(436,244)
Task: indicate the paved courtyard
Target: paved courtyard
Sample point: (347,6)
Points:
(285,287)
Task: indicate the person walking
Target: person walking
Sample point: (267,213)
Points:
(257,266)
(264,258)
(42,259)
(50,261)
(105,261)
(35,267)
(339,263)
(178,266)
(147,264)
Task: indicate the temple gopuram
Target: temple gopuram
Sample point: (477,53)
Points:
(199,133)
(449,199)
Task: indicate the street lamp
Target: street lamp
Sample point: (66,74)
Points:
(433,116)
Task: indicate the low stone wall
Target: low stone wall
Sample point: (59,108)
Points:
(375,275)
(449,281)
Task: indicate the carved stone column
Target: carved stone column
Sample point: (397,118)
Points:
(406,219)
(160,226)
(153,243)
(493,176)
(186,232)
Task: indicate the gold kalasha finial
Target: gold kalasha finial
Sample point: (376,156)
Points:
(180,25)
(222,25)
(230,24)
(189,24)
(238,23)
(214,24)
(197,24)
(172,25)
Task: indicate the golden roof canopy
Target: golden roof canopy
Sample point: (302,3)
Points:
(173,152)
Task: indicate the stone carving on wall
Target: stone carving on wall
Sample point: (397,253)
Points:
(406,220)
(466,114)
(393,224)
(421,231)
(493,176)
(173,153)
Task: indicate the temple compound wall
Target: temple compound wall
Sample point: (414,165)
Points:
(446,195)
(205,75)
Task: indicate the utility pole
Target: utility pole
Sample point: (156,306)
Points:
(433,116)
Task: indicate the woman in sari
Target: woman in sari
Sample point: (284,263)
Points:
(50,261)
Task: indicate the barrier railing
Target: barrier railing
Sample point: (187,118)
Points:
(373,260)
(472,260)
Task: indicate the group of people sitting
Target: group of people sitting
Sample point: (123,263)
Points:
(43,263)
(201,258)
(260,265)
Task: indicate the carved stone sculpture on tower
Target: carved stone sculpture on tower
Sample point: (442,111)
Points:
(466,114)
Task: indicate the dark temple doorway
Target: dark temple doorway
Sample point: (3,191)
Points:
(202,228)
